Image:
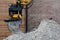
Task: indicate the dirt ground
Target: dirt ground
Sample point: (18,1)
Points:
(43,9)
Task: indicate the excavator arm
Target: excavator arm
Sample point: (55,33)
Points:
(15,13)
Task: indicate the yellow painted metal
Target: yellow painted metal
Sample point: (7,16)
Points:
(20,16)
(15,16)
(24,2)
(18,1)
(14,1)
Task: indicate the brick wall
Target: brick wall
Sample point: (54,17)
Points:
(3,14)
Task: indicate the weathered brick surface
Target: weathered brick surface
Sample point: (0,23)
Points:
(4,4)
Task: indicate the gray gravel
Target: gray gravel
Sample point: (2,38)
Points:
(47,30)
(14,27)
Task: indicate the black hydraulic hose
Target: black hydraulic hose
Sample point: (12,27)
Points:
(26,10)
(30,4)
(26,18)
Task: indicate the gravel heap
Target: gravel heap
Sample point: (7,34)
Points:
(47,30)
